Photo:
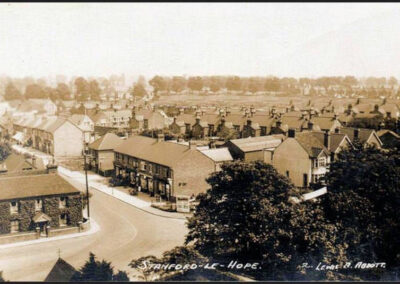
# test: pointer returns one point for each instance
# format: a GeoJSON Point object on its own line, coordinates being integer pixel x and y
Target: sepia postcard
{"type": "Point", "coordinates": [199, 142]}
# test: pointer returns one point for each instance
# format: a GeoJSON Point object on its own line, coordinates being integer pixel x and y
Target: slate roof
{"type": "Point", "coordinates": [16, 163]}
{"type": "Point", "coordinates": [33, 186]}
{"type": "Point", "coordinates": [363, 133]}
{"type": "Point", "coordinates": [218, 154]}
{"type": "Point", "coordinates": [323, 122]}
{"type": "Point", "coordinates": [251, 144]}
{"type": "Point", "coordinates": [62, 271]}
{"type": "Point", "coordinates": [387, 131]}
{"type": "Point", "coordinates": [293, 122]}
{"type": "Point", "coordinates": [311, 144]}
{"type": "Point", "coordinates": [335, 140]}
{"type": "Point", "coordinates": [107, 142]}
{"type": "Point", "coordinates": [159, 152]}
{"type": "Point", "coordinates": [186, 118]}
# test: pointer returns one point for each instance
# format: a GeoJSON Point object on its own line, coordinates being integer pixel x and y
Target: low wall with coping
{"type": "Point", "coordinates": [63, 231]}
{"type": "Point", "coordinates": [18, 237]}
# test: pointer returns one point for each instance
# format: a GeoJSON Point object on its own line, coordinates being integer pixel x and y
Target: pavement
{"type": "Point", "coordinates": [94, 228]}
{"type": "Point", "coordinates": [99, 183]}
{"type": "Point", "coordinates": [126, 233]}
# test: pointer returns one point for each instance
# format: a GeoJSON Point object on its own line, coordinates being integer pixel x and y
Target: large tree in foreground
{"type": "Point", "coordinates": [363, 200]}
{"type": "Point", "coordinates": [95, 270]}
{"type": "Point", "coordinates": [247, 215]}
{"type": "Point", "coordinates": [1, 277]}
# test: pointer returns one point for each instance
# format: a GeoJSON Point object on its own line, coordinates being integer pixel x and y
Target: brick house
{"type": "Point", "coordinates": [102, 153]}
{"type": "Point", "coordinates": [301, 157]}
{"type": "Point", "coordinates": [38, 202]}
{"type": "Point", "coordinates": [164, 168]}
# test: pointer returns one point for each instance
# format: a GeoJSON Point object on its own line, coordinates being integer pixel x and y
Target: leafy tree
{"type": "Point", "coordinates": [247, 215]}
{"type": "Point", "coordinates": [82, 89]}
{"type": "Point", "coordinates": [94, 270]}
{"type": "Point", "coordinates": [63, 91]}
{"type": "Point", "coordinates": [51, 93]}
{"type": "Point", "coordinates": [35, 91]}
{"type": "Point", "coordinates": [233, 83]}
{"type": "Point", "coordinates": [392, 81]}
{"type": "Point", "coordinates": [272, 84]}
{"type": "Point", "coordinates": [363, 200]}
{"type": "Point", "coordinates": [158, 83]}
{"type": "Point", "coordinates": [178, 83]}
{"type": "Point", "coordinates": [1, 277]}
{"type": "Point", "coordinates": [138, 91]}
{"type": "Point", "coordinates": [5, 151]}
{"type": "Point", "coordinates": [349, 81]}
{"type": "Point", "coordinates": [195, 83]}
{"type": "Point", "coordinates": [144, 266]}
{"type": "Point", "coordinates": [12, 93]}
{"type": "Point", "coordinates": [94, 90]}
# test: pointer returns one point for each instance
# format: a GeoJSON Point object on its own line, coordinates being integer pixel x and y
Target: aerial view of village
{"type": "Point", "coordinates": [198, 142]}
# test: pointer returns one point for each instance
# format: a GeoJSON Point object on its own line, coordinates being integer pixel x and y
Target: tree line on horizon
{"type": "Point", "coordinates": [93, 88]}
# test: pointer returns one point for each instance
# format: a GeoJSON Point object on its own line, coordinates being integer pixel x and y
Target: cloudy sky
{"type": "Point", "coordinates": [292, 39]}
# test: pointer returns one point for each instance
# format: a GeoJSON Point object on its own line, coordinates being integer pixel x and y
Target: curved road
{"type": "Point", "coordinates": [125, 233]}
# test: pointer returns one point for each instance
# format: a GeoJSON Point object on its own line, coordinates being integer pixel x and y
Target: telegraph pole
{"type": "Point", "coordinates": [87, 185]}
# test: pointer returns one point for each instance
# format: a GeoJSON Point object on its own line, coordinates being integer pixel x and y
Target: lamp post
{"type": "Point", "coordinates": [87, 184]}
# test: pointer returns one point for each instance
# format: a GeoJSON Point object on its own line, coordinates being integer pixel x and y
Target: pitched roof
{"type": "Point", "coordinates": [33, 186]}
{"type": "Point", "coordinates": [78, 118]}
{"type": "Point", "coordinates": [293, 122]}
{"type": "Point", "coordinates": [363, 133]}
{"type": "Point", "coordinates": [62, 271]}
{"type": "Point", "coordinates": [335, 140]}
{"type": "Point", "coordinates": [16, 163]}
{"type": "Point", "coordinates": [387, 131]}
{"type": "Point", "coordinates": [323, 122]}
{"type": "Point", "coordinates": [186, 118]}
{"type": "Point", "coordinates": [311, 144]}
{"type": "Point", "coordinates": [218, 154]}
{"type": "Point", "coordinates": [159, 152]}
{"type": "Point", "coordinates": [107, 142]}
{"type": "Point", "coordinates": [251, 144]}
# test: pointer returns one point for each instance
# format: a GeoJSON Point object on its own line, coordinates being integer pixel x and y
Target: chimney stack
{"type": "Point", "coordinates": [292, 133]}
{"type": "Point", "coordinates": [356, 133]}
{"type": "Point", "coordinates": [327, 139]}
{"type": "Point", "coordinates": [310, 125]}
